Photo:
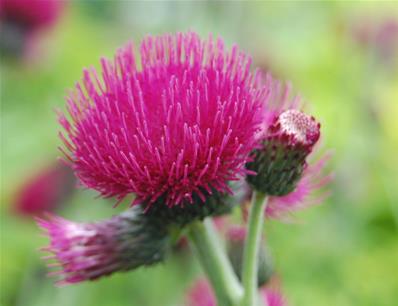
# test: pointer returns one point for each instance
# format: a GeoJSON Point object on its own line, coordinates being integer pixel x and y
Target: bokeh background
{"type": "Point", "coordinates": [342, 57]}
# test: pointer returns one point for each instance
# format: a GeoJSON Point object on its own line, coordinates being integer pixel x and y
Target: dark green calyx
{"type": "Point", "coordinates": [216, 204]}
{"type": "Point", "coordinates": [146, 241]}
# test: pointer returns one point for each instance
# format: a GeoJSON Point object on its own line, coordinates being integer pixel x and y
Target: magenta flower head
{"type": "Point", "coordinates": [173, 129]}
{"type": "Point", "coordinates": [46, 191]}
{"type": "Point", "coordinates": [21, 18]}
{"type": "Point", "coordinates": [88, 251]}
{"type": "Point", "coordinates": [201, 294]}
{"type": "Point", "coordinates": [236, 236]}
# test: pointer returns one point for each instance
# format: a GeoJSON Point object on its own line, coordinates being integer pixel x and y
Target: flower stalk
{"type": "Point", "coordinates": [252, 244]}
{"type": "Point", "coordinates": [208, 248]}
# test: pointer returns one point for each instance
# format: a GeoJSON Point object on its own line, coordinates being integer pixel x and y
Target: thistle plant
{"type": "Point", "coordinates": [182, 130]}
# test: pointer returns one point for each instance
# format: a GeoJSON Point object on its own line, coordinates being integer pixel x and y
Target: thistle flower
{"type": "Point", "coordinates": [88, 251]}
{"type": "Point", "coordinates": [46, 191]}
{"type": "Point", "coordinates": [174, 131]}
{"type": "Point", "coordinates": [201, 294]}
{"type": "Point", "coordinates": [19, 19]}
{"type": "Point", "coordinates": [236, 236]}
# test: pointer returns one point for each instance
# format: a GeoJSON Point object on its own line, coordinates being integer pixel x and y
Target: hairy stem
{"type": "Point", "coordinates": [252, 245]}
{"type": "Point", "coordinates": [212, 256]}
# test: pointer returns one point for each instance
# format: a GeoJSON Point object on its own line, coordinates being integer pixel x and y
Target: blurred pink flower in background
{"type": "Point", "coordinates": [45, 191]}
{"type": "Point", "coordinates": [31, 14]}
{"type": "Point", "coordinates": [380, 35]}
{"type": "Point", "coordinates": [21, 20]}
{"type": "Point", "coordinates": [201, 294]}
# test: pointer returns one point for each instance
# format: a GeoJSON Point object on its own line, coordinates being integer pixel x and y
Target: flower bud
{"type": "Point", "coordinates": [281, 159]}
{"type": "Point", "coordinates": [87, 251]}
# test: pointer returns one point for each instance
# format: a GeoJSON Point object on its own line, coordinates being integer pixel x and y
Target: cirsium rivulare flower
{"type": "Point", "coordinates": [88, 251]}
{"type": "Point", "coordinates": [179, 127]}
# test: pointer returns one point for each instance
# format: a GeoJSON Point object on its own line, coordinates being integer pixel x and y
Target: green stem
{"type": "Point", "coordinates": [209, 250]}
{"type": "Point", "coordinates": [252, 245]}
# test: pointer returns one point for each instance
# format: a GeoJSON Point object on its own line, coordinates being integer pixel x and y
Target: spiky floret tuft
{"type": "Point", "coordinates": [177, 128]}
{"type": "Point", "coordinates": [88, 251]}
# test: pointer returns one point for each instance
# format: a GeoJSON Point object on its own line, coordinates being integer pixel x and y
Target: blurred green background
{"type": "Point", "coordinates": [343, 252]}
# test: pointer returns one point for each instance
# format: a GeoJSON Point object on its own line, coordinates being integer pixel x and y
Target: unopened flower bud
{"type": "Point", "coordinates": [281, 159]}
{"type": "Point", "coordinates": [87, 251]}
